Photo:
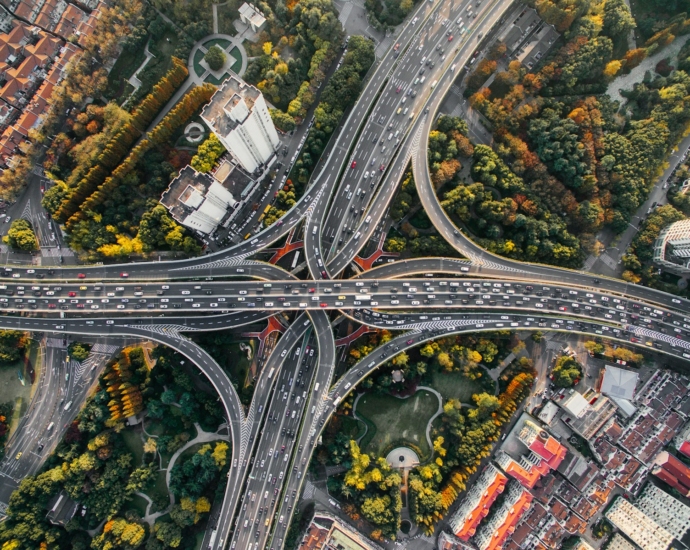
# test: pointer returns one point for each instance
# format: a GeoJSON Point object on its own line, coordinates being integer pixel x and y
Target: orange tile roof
{"type": "Point", "coordinates": [506, 529]}
{"type": "Point", "coordinates": [469, 526]}
{"type": "Point", "coordinates": [26, 121]}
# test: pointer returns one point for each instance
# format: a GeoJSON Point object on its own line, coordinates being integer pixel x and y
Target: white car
{"type": "Point", "coordinates": [16, 275]}
{"type": "Point", "coordinates": [120, 306]}
{"type": "Point", "coordinates": [216, 305]}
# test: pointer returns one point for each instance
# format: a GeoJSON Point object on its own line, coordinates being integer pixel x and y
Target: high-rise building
{"type": "Point", "coordinates": [638, 527]}
{"type": "Point", "coordinates": [672, 247]}
{"type": "Point", "coordinates": [667, 511]}
{"type": "Point", "coordinates": [238, 116]}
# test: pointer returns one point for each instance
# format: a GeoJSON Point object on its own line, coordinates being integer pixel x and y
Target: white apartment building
{"type": "Point", "coordinates": [638, 527]}
{"type": "Point", "coordinates": [238, 116]}
{"type": "Point", "coordinates": [664, 509]}
{"type": "Point", "coordinates": [672, 248]}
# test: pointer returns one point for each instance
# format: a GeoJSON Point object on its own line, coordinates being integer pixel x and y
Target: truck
{"type": "Point", "coordinates": [212, 540]}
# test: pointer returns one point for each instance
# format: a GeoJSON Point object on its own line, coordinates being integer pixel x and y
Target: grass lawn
{"type": "Point", "coordinates": [237, 65]}
{"type": "Point", "coordinates": [453, 385]}
{"type": "Point", "coordinates": [159, 489]}
{"type": "Point", "coordinates": [198, 69]}
{"type": "Point", "coordinates": [124, 67]}
{"type": "Point", "coordinates": [134, 443]}
{"type": "Point", "coordinates": [215, 81]}
{"type": "Point", "coordinates": [217, 42]}
{"type": "Point", "coordinates": [353, 428]}
{"type": "Point", "coordinates": [396, 420]}
{"type": "Point", "coordinates": [139, 504]}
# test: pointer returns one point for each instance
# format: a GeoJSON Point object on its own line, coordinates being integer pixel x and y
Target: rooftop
{"type": "Point", "coordinates": [619, 382]}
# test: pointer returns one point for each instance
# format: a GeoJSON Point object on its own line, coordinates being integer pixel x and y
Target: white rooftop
{"type": "Point", "coordinates": [619, 382]}
{"type": "Point", "coordinates": [576, 405]}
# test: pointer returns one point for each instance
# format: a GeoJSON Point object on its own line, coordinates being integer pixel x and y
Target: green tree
{"type": "Point", "coordinates": [566, 371]}
{"type": "Point", "coordinates": [79, 350]}
{"type": "Point", "coordinates": [215, 57]}
{"type": "Point", "coordinates": [12, 344]}
{"type": "Point", "coordinates": [21, 236]}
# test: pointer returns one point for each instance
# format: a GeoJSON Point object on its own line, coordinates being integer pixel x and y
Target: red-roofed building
{"type": "Point", "coordinates": [527, 471]}
{"type": "Point", "coordinates": [69, 22]}
{"type": "Point", "coordinates": [671, 470]}
{"type": "Point", "coordinates": [685, 448]}
{"type": "Point", "coordinates": [540, 442]}
{"type": "Point", "coordinates": [477, 502]}
{"type": "Point", "coordinates": [545, 454]}
{"type": "Point", "coordinates": [494, 534]}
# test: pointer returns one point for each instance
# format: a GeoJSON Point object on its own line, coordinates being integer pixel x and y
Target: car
{"type": "Point", "coordinates": [19, 455]}
{"type": "Point", "coordinates": [354, 164]}
{"type": "Point", "coordinates": [124, 275]}
{"type": "Point", "coordinates": [323, 304]}
{"type": "Point", "coordinates": [16, 275]}
{"type": "Point", "coordinates": [81, 276]}
{"type": "Point", "coordinates": [31, 271]}
{"type": "Point", "coordinates": [398, 90]}
{"type": "Point", "coordinates": [450, 38]}
{"type": "Point", "coordinates": [71, 293]}
{"type": "Point", "coordinates": [382, 167]}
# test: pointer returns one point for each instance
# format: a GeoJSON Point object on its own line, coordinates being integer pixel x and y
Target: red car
{"type": "Point", "coordinates": [450, 38]}
{"type": "Point", "coordinates": [124, 275]}
{"type": "Point", "coordinates": [398, 90]}
{"type": "Point", "coordinates": [323, 304]}
{"type": "Point", "coordinates": [81, 276]}
{"type": "Point", "coordinates": [324, 275]}
{"type": "Point", "coordinates": [383, 167]}
{"type": "Point", "coordinates": [312, 290]}
{"type": "Point", "coordinates": [51, 306]}
{"type": "Point", "coordinates": [354, 164]}
{"type": "Point", "coordinates": [72, 293]}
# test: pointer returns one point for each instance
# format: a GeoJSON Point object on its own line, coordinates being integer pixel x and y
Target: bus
{"type": "Point", "coordinates": [213, 538]}
{"type": "Point", "coordinates": [294, 261]}
{"type": "Point", "coordinates": [247, 236]}
{"type": "Point", "coordinates": [267, 209]}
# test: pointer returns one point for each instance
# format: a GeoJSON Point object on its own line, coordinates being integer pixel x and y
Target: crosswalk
{"type": "Point", "coordinates": [55, 252]}
{"type": "Point", "coordinates": [105, 349]}
{"type": "Point", "coordinates": [648, 333]}
{"type": "Point", "coordinates": [55, 343]}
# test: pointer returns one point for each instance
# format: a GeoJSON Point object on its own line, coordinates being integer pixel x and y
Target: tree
{"type": "Point", "coordinates": [21, 236]}
{"type": "Point", "coordinates": [618, 20]}
{"type": "Point", "coordinates": [12, 344]}
{"type": "Point", "coordinates": [207, 154]}
{"type": "Point", "coordinates": [566, 371]}
{"type": "Point", "coordinates": [215, 57]}
{"type": "Point", "coordinates": [79, 351]}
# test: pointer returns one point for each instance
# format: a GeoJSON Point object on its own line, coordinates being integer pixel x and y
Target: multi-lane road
{"type": "Point", "coordinates": [346, 200]}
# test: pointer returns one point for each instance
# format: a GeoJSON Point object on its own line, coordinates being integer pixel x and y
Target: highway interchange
{"type": "Point", "coordinates": [295, 393]}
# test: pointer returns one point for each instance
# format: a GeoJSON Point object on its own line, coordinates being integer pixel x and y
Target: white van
{"type": "Point", "coordinates": [433, 84]}
{"type": "Point", "coordinates": [422, 80]}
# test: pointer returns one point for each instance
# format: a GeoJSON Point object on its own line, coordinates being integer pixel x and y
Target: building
{"type": "Point", "coordinates": [479, 498]}
{"type": "Point", "coordinates": [638, 527]}
{"type": "Point", "coordinates": [327, 532]}
{"type": "Point", "coordinates": [544, 454]}
{"type": "Point", "coordinates": [252, 16]}
{"type": "Point", "coordinates": [501, 525]}
{"type": "Point", "coordinates": [672, 471]}
{"type": "Point", "coordinates": [197, 200]}
{"type": "Point", "coordinates": [667, 511]}
{"type": "Point", "coordinates": [618, 542]}
{"type": "Point", "coordinates": [61, 509]}
{"type": "Point", "coordinates": [619, 383]}
{"type": "Point", "coordinates": [238, 116]}
{"type": "Point", "coordinates": [672, 248]}
{"type": "Point", "coordinates": [587, 414]}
